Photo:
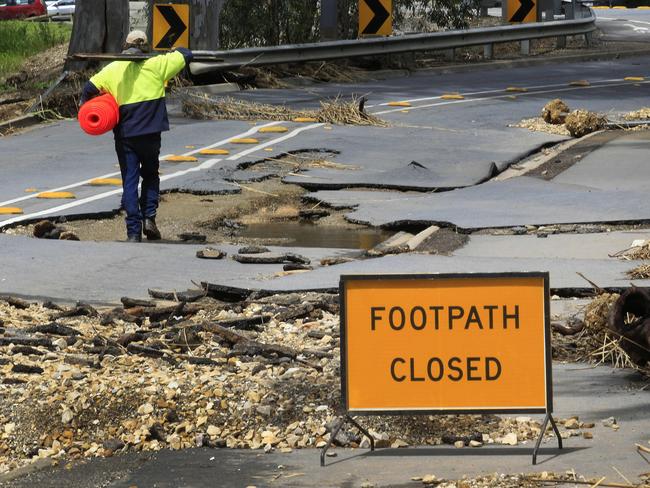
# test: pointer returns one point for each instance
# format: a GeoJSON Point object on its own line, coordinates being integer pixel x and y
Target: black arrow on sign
{"type": "Point", "coordinates": [176, 27]}
{"type": "Point", "coordinates": [381, 16]}
{"type": "Point", "coordinates": [523, 10]}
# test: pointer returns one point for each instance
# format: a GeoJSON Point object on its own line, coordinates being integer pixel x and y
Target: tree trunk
{"type": "Point", "coordinates": [100, 26]}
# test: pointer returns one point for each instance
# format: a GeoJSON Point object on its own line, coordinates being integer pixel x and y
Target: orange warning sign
{"type": "Point", "coordinates": [446, 343]}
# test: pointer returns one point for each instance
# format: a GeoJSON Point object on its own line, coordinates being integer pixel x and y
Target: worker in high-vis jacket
{"type": "Point", "coordinates": [139, 89]}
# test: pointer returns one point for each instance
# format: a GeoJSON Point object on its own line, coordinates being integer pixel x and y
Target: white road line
{"type": "Point", "coordinates": [520, 94]}
{"type": "Point", "coordinates": [496, 90]}
{"type": "Point", "coordinates": [249, 132]}
{"type": "Point", "coordinates": [274, 141]}
{"type": "Point", "coordinates": [205, 165]}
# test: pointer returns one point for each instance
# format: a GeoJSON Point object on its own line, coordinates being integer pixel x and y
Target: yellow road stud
{"type": "Point", "coordinates": [399, 104]}
{"type": "Point", "coordinates": [278, 129]}
{"type": "Point", "coordinates": [305, 119]}
{"type": "Point", "coordinates": [516, 89]}
{"type": "Point", "coordinates": [10, 210]}
{"type": "Point", "coordinates": [268, 149]}
{"type": "Point", "coordinates": [31, 190]}
{"type": "Point", "coordinates": [404, 111]}
{"type": "Point", "coordinates": [106, 182]}
{"type": "Point", "coordinates": [56, 195]}
{"type": "Point", "coordinates": [580, 83]}
{"type": "Point", "coordinates": [452, 96]}
{"type": "Point", "coordinates": [214, 152]}
{"type": "Point", "coordinates": [634, 78]}
{"type": "Point", "coordinates": [190, 147]}
{"type": "Point", "coordinates": [180, 159]}
{"type": "Point", "coordinates": [245, 140]}
{"type": "Point", "coordinates": [328, 127]}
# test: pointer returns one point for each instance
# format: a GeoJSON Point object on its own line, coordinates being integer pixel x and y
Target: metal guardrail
{"type": "Point", "coordinates": [323, 51]}
{"type": "Point", "coordinates": [206, 61]}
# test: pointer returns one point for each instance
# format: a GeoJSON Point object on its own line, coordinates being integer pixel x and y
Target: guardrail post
{"type": "Point", "coordinates": [525, 47]}
{"type": "Point", "coordinates": [449, 54]}
{"type": "Point", "coordinates": [588, 38]}
{"type": "Point", "coordinates": [561, 42]}
{"type": "Point", "coordinates": [488, 51]}
{"type": "Point", "coordinates": [329, 20]}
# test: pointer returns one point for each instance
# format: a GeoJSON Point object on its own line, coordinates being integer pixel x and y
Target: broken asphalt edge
{"type": "Point", "coordinates": [22, 122]}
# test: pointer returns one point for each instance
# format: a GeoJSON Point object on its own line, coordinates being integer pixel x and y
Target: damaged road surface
{"type": "Point", "coordinates": [215, 354]}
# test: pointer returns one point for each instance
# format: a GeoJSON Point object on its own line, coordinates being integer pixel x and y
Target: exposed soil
{"type": "Point", "coordinates": [221, 218]}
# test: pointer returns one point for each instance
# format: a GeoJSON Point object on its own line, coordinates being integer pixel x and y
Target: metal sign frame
{"type": "Point", "coordinates": [394, 277]}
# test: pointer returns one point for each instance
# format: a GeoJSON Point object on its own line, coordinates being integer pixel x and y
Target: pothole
{"type": "Point", "coordinates": [268, 212]}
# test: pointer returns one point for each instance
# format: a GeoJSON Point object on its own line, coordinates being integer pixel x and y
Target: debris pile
{"type": "Point", "coordinates": [530, 480]}
{"type": "Point", "coordinates": [555, 112]}
{"type": "Point", "coordinates": [337, 111]}
{"type": "Point", "coordinates": [580, 122]}
{"type": "Point", "coordinates": [641, 114]}
{"type": "Point", "coordinates": [556, 118]}
{"type": "Point", "coordinates": [48, 230]}
{"type": "Point", "coordinates": [261, 374]}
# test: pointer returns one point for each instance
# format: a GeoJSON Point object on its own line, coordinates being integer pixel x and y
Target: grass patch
{"type": "Point", "coordinates": [20, 40]}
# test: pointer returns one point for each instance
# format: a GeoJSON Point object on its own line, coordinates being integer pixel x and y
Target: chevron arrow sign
{"type": "Point", "coordinates": [520, 11]}
{"type": "Point", "coordinates": [375, 17]}
{"type": "Point", "coordinates": [171, 26]}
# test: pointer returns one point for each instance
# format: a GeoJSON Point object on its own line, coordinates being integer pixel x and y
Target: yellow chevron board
{"type": "Point", "coordinates": [56, 195]}
{"type": "Point", "coordinates": [10, 211]}
{"type": "Point", "coordinates": [375, 17]}
{"type": "Point", "coordinates": [521, 11]}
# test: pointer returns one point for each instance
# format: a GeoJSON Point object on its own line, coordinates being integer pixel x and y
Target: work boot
{"type": "Point", "coordinates": [134, 238]}
{"type": "Point", "coordinates": [151, 230]}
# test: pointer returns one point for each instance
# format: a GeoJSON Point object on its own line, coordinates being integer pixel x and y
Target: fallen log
{"type": "Point", "coordinates": [572, 327]}
{"type": "Point", "coordinates": [135, 302]}
{"type": "Point", "coordinates": [244, 346]}
{"type": "Point", "coordinates": [26, 341]}
{"type": "Point", "coordinates": [28, 350]}
{"type": "Point", "coordinates": [188, 296]}
{"type": "Point", "coordinates": [54, 329]}
{"type": "Point", "coordinates": [80, 310]}
{"type": "Point", "coordinates": [16, 302]}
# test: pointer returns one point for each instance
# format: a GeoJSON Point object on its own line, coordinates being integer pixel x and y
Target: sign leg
{"type": "Point", "coordinates": [335, 432]}
{"type": "Point", "coordinates": [363, 431]}
{"type": "Point", "coordinates": [547, 419]}
{"type": "Point", "coordinates": [332, 437]}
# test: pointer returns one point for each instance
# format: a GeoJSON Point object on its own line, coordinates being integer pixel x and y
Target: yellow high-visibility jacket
{"type": "Point", "coordinates": [139, 89]}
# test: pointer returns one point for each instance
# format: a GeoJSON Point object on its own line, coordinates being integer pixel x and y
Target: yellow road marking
{"type": "Point", "coordinates": [56, 195]}
{"type": "Point", "coordinates": [399, 104]}
{"type": "Point", "coordinates": [214, 152]}
{"type": "Point", "coordinates": [244, 140]}
{"type": "Point", "coordinates": [310, 120]}
{"type": "Point", "coordinates": [580, 83]}
{"type": "Point", "coordinates": [452, 96]}
{"type": "Point", "coordinates": [180, 159]}
{"type": "Point", "coordinates": [274, 129]}
{"type": "Point", "coordinates": [106, 182]}
{"type": "Point", "coordinates": [10, 211]}
{"type": "Point", "coordinates": [634, 78]}
{"type": "Point", "coordinates": [517, 89]}
{"type": "Point", "coordinates": [31, 190]}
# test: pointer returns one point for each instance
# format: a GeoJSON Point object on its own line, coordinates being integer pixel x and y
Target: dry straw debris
{"type": "Point", "coordinates": [641, 272]}
{"type": "Point", "coordinates": [641, 114]}
{"type": "Point", "coordinates": [538, 124]}
{"type": "Point", "coordinates": [579, 123]}
{"type": "Point", "coordinates": [337, 111]}
{"type": "Point", "coordinates": [555, 111]}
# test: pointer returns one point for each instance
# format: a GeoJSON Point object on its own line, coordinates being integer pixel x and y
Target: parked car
{"type": "Point", "coordinates": [20, 9]}
{"type": "Point", "coordinates": [60, 8]}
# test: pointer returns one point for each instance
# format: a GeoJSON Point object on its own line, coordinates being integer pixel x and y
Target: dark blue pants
{"type": "Point", "coordinates": [139, 157]}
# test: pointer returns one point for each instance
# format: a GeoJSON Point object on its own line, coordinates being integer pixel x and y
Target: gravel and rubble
{"type": "Point", "coordinates": [263, 374]}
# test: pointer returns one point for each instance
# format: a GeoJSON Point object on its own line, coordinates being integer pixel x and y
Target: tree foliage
{"type": "Point", "coordinates": [273, 22]}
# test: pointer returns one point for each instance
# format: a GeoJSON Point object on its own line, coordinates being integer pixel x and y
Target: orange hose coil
{"type": "Point", "coordinates": [99, 115]}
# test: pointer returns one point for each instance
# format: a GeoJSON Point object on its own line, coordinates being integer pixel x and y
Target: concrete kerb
{"type": "Point", "coordinates": [535, 162]}
{"type": "Point", "coordinates": [23, 122]}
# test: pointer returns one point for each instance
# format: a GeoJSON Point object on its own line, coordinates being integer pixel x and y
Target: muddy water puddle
{"type": "Point", "coordinates": [299, 234]}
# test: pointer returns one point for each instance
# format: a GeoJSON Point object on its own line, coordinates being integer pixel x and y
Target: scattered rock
{"type": "Point", "coordinates": [475, 444]}
{"type": "Point", "coordinates": [192, 237]}
{"type": "Point", "coordinates": [572, 423]}
{"type": "Point", "coordinates": [43, 227]}
{"type": "Point", "coordinates": [253, 250]}
{"type": "Point", "coordinates": [68, 236]}
{"type": "Point", "coordinates": [459, 444]}
{"type": "Point", "coordinates": [210, 253]}
{"type": "Point", "coordinates": [429, 479]}
{"type": "Point", "coordinates": [609, 422]}
{"type": "Point", "coordinates": [510, 439]}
